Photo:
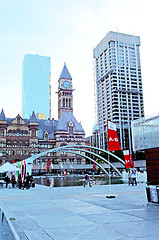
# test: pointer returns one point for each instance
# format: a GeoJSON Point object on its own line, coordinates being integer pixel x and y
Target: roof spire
{"type": "Point", "coordinates": [33, 117]}
{"type": "Point", "coordinates": [2, 116]}
{"type": "Point", "coordinates": [65, 73]}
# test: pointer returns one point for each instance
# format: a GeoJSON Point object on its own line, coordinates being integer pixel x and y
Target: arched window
{"type": "Point", "coordinates": [46, 137]}
{"type": "Point", "coordinates": [18, 120]}
{"type": "Point", "coordinates": [1, 132]}
{"type": "Point", "coordinates": [33, 133]}
{"type": "Point", "coordinates": [69, 102]}
{"type": "Point", "coordinates": [70, 129]}
{"type": "Point", "coordinates": [66, 102]}
{"type": "Point", "coordinates": [63, 102]}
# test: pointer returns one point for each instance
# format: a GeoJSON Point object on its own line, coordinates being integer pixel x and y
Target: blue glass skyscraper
{"type": "Point", "coordinates": [36, 86]}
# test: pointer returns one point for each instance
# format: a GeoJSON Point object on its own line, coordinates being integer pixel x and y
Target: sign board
{"type": "Point", "coordinates": [145, 133]}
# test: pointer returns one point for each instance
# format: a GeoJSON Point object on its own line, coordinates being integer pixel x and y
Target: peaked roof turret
{"type": "Point", "coordinates": [2, 116]}
{"type": "Point", "coordinates": [33, 117]}
{"type": "Point", "coordinates": [65, 73]}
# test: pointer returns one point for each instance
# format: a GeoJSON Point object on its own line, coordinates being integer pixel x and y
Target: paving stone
{"type": "Point", "coordinates": [77, 213]}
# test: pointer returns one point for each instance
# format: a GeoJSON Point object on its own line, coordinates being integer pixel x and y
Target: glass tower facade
{"type": "Point", "coordinates": [118, 81]}
{"type": "Point", "coordinates": [36, 86]}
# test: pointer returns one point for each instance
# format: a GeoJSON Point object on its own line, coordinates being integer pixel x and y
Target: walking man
{"type": "Point", "coordinates": [133, 175]}
{"type": "Point", "coordinates": [87, 180]}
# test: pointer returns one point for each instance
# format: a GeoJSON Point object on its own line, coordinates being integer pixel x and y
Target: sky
{"type": "Point", "coordinates": [68, 31]}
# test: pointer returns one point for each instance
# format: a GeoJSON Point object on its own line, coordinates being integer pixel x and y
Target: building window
{"type": "Point", "coordinates": [46, 137]}
{"type": "Point", "coordinates": [78, 161]}
{"type": "Point", "coordinates": [18, 120]}
{"type": "Point", "coordinates": [63, 102]}
{"type": "Point", "coordinates": [1, 132]}
{"type": "Point", "coordinates": [70, 130]}
{"type": "Point", "coordinates": [69, 102]}
{"type": "Point", "coordinates": [66, 102]}
{"type": "Point", "coordinates": [33, 133]}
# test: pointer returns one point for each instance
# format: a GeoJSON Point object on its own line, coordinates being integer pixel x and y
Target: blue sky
{"type": "Point", "coordinates": [67, 31]}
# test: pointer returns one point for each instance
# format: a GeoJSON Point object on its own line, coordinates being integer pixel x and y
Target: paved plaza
{"type": "Point", "coordinates": [78, 213]}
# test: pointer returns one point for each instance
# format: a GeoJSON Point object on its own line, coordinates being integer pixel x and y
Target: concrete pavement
{"type": "Point", "coordinates": [78, 213]}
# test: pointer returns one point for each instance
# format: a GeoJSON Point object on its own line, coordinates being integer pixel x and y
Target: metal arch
{"type": "Point", "coordinates": [110, 164]}
{"type": "Point", "coordinates": [90, 160]}
{"type": "Point", "coordinates": [62, 148]}
{"type": "Point", "coordinates": [87, 146]}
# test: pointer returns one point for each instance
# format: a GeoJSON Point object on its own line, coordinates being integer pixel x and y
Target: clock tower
{"type": "Point", "coordinates": [65, 97]}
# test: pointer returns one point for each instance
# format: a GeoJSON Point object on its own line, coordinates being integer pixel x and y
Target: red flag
{"type": "Point", "coordinates": [113, 141]}
{"type": "Point", "coordinates": [13, 161]}
{"type": "Point", "coordinates": [94, 166]}
{"type": "Point", "coordinates": [127, 158]}
{"type": "Point", "coordinates": [48, 164]}
{"type": "Point", "coordinates": [131, 161]}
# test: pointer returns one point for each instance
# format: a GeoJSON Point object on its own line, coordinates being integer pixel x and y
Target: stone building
{"type": "Point", "coordinates": [21, 138]}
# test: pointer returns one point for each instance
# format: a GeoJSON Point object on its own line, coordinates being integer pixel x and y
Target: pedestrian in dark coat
{"type": "Point", "coordinates": [7, 180]}
{"type": "Point", "coordinates": [13, 181]}
{"type": "Point", "coordinates": [19, 181]}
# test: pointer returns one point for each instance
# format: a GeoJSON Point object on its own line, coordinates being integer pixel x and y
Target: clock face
{"type": "Point", "coordinates": [66, 84]}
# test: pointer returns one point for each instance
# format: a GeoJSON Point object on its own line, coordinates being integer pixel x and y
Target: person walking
{"type": "Point", "coordinates": [13, 181]}
{"type": "Point", "coordinates": [129, 177]}
{"type": "Point", "coordinates": [87, 180]}
{"type": "Point", "coordinates": [27, 181]}
{"type": "Point", "coordinates": [133, 175]}
{"type": "Point", "coordinates": [7, 180]}
{"type": "Point", "coordinates": [19, 181]}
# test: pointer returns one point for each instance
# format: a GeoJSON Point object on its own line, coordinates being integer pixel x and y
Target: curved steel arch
{"type": "Point", "coordinates": [101, 150]}
{"type": "Point", "coordinates": [64, 148]}
{"type": "Point", "coordinates": [110, 164]}
{"type": "Point", "coordinates": [90, 160]}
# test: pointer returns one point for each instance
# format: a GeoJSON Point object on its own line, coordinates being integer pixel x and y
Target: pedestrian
{"type": "Point", "coordinates": [7, 180]}
{"type": "Point", "coordinates": [129, 177]}
{"type": "Point", "coordinates": [31, 180]}
{"type": "Point", "coordinates": [13, 181]}
{"type": "Point", "coordinates": [27, 181]}
{"type": "Point", "coordinates": [133, 175]}
{"type": "Point", "coordinates": [87, 180]}
{"type": "Point", "coordinates": [19, 181]}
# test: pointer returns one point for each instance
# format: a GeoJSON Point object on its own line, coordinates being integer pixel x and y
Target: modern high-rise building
{"type": "Point", "coordinates": [118, 81]}
{"type": "Point", "coordinates": [36, 86]}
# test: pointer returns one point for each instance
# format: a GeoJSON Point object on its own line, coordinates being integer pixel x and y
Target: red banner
{"type": "Point", "coordinates": [113, 141]}
{"type": "Point", "coordinates": [127, 158]}
{"type": "Point", "coordinates": [94, 165]}
{"type": "Point", "coordinates": [131, 161]}
{"type": "Point", "coordinates": [48, 165]}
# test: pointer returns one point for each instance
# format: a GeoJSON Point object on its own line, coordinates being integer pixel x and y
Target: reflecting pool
{"type": "Point", "coordinates": [74, 180]}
